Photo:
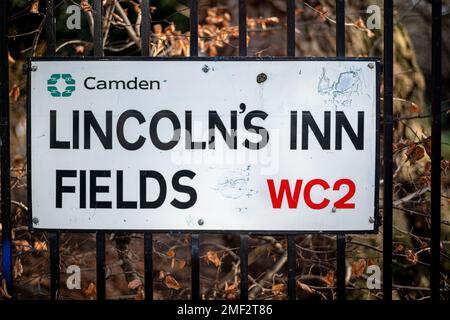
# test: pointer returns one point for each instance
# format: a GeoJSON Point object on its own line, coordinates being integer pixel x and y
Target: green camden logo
{"type": "Point", "coordinates": [53, 88]}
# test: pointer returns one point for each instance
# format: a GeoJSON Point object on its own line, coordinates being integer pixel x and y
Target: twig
{"type": "Point", "coordinates": [411, 196]}
{"type": "Point", "coordinates": [365, 245]}
{"type": "Point", "coordinates": [421, 214]}
{"type": "Point", "coordinates": [70, 42]}
{"type": "Point", "coordinates": [19, 204]}
{"type": "Point", "coordinates": [268, 276]}
{"type": "Point", "coordinates": [127, 26]}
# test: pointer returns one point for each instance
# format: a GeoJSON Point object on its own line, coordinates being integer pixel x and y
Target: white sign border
{"type": "Point", "coordinates": [33, 222]}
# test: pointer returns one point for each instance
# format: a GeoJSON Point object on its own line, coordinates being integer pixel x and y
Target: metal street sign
{"type": "Point", "coordinates": [263, 145]}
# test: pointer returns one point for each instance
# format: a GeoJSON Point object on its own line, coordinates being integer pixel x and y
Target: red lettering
{"type": "Point", "coordinates": [307, 194]}
{"type": "Point", "coordinates": [285, 188]}
{"type": "Point", "coordinates": [342, 203]}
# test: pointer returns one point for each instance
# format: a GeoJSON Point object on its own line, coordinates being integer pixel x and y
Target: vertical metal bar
{"type": "Point", "coordinates": [243, 255]}
{"type": "Point", "coordinates": [242, 28]}
{"type": "Point", "coordinates": [195, 241]}
{"type": "Point", "coordinates": [53, 237]}
{"type": "Point", "coordinates": [148, 236]}
{"type": "Point", "coordinates": [291, 247]}
{"type": "Point", "coordinates": [195, 267]}
{"type": "Point", "coordinates": [292, 267]}
{"type": "Point", "coordinates": [290, 36]}
{"type": "Point", "coordinates": [148, 265]}
{"type": "Point", "coordinates": [341, 269]}
{"type": "Point", "coordinates": [388, 125]}
{"type": "Point", "coordinates": [54, 265]}
{"type": "Point", "coordinates": [50, 32]}
{"type": "Point", "coordinates": [243, 238]}
{"type": "Point", "coordinates": [340, 28]}
{"type": "Point", "coordinates": [436, 70]}
{"type": "Point", "coordinates": [5, 150]}
{"type": "Point", "coordinates": [145, 27]}
{"type": "Point", "coordinates": [341, 242]}
{"type": "Point", "coordinates": [193, 28]}
{"type": "Point", "coordinates": [100, 235]}
{"type": "Point", "coordinates": [100, 258]}
{"type": "Point", "coordinates": [98, 28]}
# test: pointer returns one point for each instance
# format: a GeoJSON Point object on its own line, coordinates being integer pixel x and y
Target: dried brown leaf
{"type": "Point", "coordinates": [14, 93]}
{"type": "Point", "coordinates": [425, 180]}
{"type": "Point", "coordinates": [329, 278]}
{"type": "Point", "coordinates": [414, 108]}
{"type": "Point", "coordinates": [40, 246]}
{"type": "Point", "coordinates": [85, 6]}
{"type": "Point", "coordinates": [411, 256]}
{"type": "Point", "coordinates": [171, 253]}
{"type": "Point", "coordinates": [358, 268]}
{"type": "Point", "coordinates": [305, 287]}
{"type": "Point", "coordinates": [18, 269]}
{"type": "Point", "coordinates": [134, 284]}
{"type": "Point", "coordinates": [91, 291]}
{"type": "Point", "coordinates": [278, 288]}
{"type": "Point", "coordinates": [415, 153]}
{"type": "Point", "coordinates": [22, 245]}
{"type": "Point", "coordinates": [11, 59]}
{"type": "Point", "coordinates": [34, 7]}
{"type": "Point", "coordinates": [79, 49]}
{"type": "Point", "coordinates": [370, 33]}
{"type": "Point", "coordinates": [212, 256]}
{"type": "Point", "coordinates": [232, 288]}
{"type": "Point", "coordinates": [140, 295]}
{"type": "Point", "coordinates": [360, 23]}
{"type": "Point", "coordinates": [172, 283]}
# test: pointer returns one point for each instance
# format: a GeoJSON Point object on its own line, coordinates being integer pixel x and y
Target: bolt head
{"type": "Point", "coordinates": [35, 220]}
{"type": "Point", "coordinates": [201, 222]}
{"type": "Point", "coordinates": [333, 209]}
{"type": "Point", "coordinates": [261, 78]}
{"type": "Point", "coordinates": [205, 68]}
{"type": "Point", "coordinates": [371, 65]}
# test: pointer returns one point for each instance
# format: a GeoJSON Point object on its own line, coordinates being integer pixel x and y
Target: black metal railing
{"type": "Point", "coordinates": [388, 78]}
{"type": "Point", "coordinates": [244, 238]}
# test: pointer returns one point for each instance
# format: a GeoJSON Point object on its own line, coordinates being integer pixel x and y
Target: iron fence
{"type": "Point", "coordinates": [387, 155]}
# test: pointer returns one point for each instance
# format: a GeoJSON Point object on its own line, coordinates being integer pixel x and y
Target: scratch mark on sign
{"type": "Point", "coordinates": [342, 89]}
{"type": "Point", "coordinates": [190, 221]}
{"type": "Point", "coordinates": [234, 184]}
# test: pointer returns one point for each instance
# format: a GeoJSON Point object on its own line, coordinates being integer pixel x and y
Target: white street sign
{"type": "Point", "coordinates": [253, 145]}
